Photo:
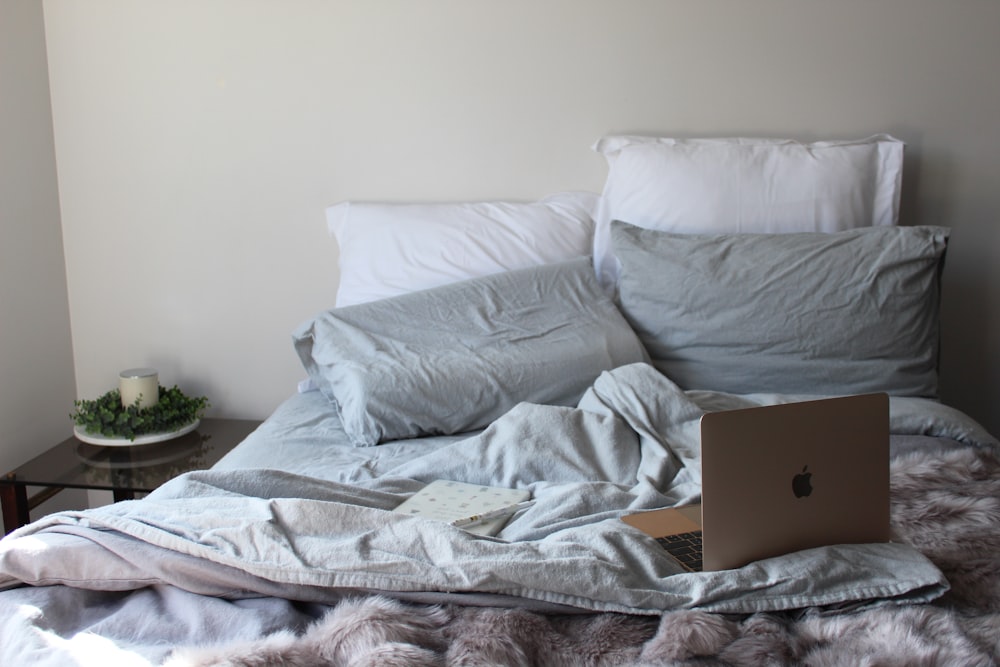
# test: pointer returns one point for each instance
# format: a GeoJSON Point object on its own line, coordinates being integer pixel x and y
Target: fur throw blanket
{"type": "Point", "coordinates": [947, 505]}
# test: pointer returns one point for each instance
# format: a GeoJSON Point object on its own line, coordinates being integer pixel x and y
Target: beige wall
{"type": "Point", "coordinates": [198, 142]}
{"type": "Point", "coordinates": [36, 365]}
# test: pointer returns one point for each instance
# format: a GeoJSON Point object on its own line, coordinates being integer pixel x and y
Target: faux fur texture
{"type": "Point", "coordinates": [947, 505]}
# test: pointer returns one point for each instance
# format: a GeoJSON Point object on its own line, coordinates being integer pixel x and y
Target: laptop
{"type": "Point", "coordinates": [781, 478]}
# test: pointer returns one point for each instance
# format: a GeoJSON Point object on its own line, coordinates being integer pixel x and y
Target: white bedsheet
{"type": "Point", "coordinates": [633, 445]}
{"type": "Point", "coordinates": [250, 539]}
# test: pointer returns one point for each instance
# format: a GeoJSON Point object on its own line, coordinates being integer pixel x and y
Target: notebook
{"type": "Point", "coordinates": [781, 478]}
{"type": "Point", "coordinates": [447, 501]}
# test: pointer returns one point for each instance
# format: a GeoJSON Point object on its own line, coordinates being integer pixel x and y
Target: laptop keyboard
{"type": "Point", "coordinates": [685, 548]}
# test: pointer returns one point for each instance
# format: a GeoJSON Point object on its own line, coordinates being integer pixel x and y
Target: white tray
{"type": "Point", "coordinates": [147, 439]}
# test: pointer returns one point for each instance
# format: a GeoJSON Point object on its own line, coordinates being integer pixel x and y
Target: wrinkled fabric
{"type": "Point", "coordinates": [632, 444]}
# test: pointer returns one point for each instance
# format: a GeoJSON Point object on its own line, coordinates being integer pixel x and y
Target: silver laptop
{"type": "Point", "coordinates": [782, 478]}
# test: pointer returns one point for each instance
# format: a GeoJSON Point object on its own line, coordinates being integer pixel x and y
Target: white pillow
{"type": "Point", "coordinates": [392, 249]}
{"type": "Point", "coordinates": [717, 186]}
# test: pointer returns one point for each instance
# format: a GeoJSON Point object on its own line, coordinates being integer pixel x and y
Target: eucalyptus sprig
{"type": "Point", "coordinates": [107, 416]}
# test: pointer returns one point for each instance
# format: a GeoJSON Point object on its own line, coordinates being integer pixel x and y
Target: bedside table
{"type": "Point", "coordinates": [125, 471]}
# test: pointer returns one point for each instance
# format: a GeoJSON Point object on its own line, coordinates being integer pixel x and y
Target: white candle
{"type": "Point", "coordinates": [142, 384]}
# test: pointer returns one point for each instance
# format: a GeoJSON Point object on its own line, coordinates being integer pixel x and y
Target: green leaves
{"type": "Point", "coordinates": [107, 417]}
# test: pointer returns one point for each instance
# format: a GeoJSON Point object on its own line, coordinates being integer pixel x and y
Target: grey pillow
{"type": "Point", "coordinates": [454, 358]}
{"type": "Point", "coordinates": [806, 313]}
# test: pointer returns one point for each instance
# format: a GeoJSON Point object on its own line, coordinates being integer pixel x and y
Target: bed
{"type": "Point", "coordinates": [567, 347]}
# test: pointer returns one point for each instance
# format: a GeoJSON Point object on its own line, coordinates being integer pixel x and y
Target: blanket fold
{"type": "Point", "coordinates": [632, 444]}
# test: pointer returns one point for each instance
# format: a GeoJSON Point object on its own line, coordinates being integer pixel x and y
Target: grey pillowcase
{"type": "Point", "coordinates": [805, 313]}
{"type": "Point", "coordinates": [454, 358]}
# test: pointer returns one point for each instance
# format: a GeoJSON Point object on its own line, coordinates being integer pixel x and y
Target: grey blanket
{"type": "Point", "coordinates": [946, 501]}
{"type": "Point", "coordinates": [631, 445]}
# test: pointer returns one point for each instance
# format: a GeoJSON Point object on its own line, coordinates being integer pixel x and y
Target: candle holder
{"type": "Point", "coordinates": [139, 384]}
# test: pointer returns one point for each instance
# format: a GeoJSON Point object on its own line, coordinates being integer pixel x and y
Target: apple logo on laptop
{"type": "Point", "coordinates": [802, 483]}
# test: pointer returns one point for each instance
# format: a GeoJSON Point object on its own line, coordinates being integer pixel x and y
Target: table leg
{"type": "Point", "coordinates": [14, 501]}
{"type": "Point", "coordinates": [122, 494]}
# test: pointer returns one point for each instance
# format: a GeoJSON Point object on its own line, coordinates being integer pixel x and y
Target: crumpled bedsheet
{"type": "Point", "coordinates": [632, 444]}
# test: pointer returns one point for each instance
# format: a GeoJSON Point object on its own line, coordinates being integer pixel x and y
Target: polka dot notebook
{"type": "Point", "coordinates": [447, 501]}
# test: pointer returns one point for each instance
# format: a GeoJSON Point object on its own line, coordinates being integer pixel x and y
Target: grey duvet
{"type": "Point", "coordinates": [257, 566]}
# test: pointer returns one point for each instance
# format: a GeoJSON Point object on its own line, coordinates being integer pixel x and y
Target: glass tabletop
{"type": "Point", "coordinates": [138, 468]}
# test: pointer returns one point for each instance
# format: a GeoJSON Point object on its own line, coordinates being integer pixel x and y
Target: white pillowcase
{"type": "Point", "coordinates": [736, 185]}
{"type": "Point", "coordinates": [392, 249]}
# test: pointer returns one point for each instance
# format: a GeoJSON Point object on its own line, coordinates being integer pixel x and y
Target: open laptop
{"type": "Point", "coordinates": [780, 478]}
